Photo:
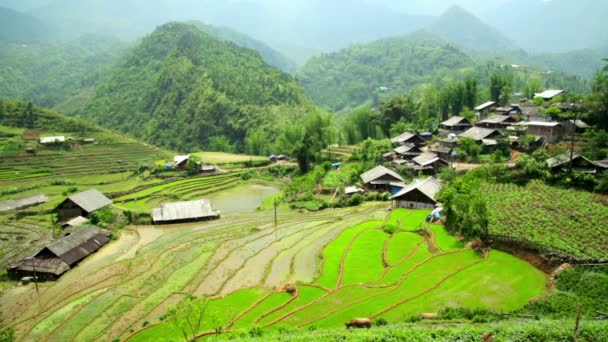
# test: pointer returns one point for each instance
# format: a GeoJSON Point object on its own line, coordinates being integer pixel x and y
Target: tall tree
{"type": "Point", "coordinates": [597, 103]}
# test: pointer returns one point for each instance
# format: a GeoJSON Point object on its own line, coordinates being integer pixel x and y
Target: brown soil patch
{"type": "Point", "coordinates": [531, 257]}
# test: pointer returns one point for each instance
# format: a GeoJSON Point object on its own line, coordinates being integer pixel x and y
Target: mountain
{"type": "Point", "coordinates": [461, 27]}
{"type": "Point", "coordinates": [48, 74]}
{"type": "Point", "coordinates": [553, 26]}
{"type": "Point", "coordinates": [16, 27]}
{"type": "Point", "coordinates": [270, 55]}
{"type": "Point", "coordinates": [357, 74]}
{"type": "Point", "coordinates": [180, 86]}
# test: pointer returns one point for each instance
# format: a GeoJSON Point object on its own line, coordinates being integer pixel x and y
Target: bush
{"type": "Point", "coordinates": [380, 322]}
{"type": "Point", "coordinates": [256, 332]}
{"type": "Point", "coordinates": [355, 200]}
{"type": "Point", "coordinates": [391, 228]}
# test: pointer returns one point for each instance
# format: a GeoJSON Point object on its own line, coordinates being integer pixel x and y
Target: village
{"type": "Point", "coordinates": [417, 156]}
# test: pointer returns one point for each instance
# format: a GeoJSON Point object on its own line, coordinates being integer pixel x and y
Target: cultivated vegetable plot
{"type": "Point", "coordinates": [338, 265]}
{"type": "Point", "coordinates": [564, 221]}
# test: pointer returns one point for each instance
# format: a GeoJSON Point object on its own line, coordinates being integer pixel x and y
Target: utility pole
{"type": "Point", "coordinates": [35, 276]}
{"type": "Point", "coordinates": [572, 141]}
{"type": "Point", "coordinates": [276, 227]}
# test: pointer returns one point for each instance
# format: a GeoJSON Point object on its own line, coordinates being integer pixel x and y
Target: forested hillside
{"type": "Point", "coordinates": [461, 27]}
{"type": "Point", "coordinates": [269, 55]}
{"type": "Point", "coordinates": [48, 74]}
{"type": "Point", "coordinates": [180, 87]}
{"type": "Point", "coordinates": [360, 73]}
{"type": "Point", "coordinates": [16, 27]}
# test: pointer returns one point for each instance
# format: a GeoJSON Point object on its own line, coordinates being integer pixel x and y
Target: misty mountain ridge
{"type": "Point", "coordinates": [363, 72]}
{"type": "Point", "coordinates": [463, 28]}
{"type": "Point", "coordinates": [17, 27]}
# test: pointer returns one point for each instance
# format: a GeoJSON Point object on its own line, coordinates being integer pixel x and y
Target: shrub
{"type": "Point", "coordinates": [256, 331]}
{"type": "Point", "coordinates": [391, 228]}
{"type": "Point", "coordinates": [355, 200]}
{"type": "Point", "coordinates": [380, 322]}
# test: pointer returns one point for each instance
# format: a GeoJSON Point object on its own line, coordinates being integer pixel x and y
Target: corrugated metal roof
{"type": "Point", "coordinates": [77, 221]}
{"type": "Point", "coordinates": [22, 202]}
{"type": "Point", "coordinates": [50, 140]}
{"type": "Point", "coordinates": [407, 148]}
{"type": "Point", "coordinates": [378, 172]}
{"type": "Point", "coordinates": [180, 211]}
{"type": "Point", "coordinates": [455, 120]}
{"type": "Point", "coordinates": [579, 123]}
{"type": "Point", "coordinates": [478, 133]}
{"type": "Point", "coordinates": [430, 187]}
{"type": "Point", "coordinates": [403, 137]}
{"type": "Point", "coordinates": [562, 159]}
{"type": "Point", "coordinates": [180, 159]}
{"type": "Point", "coordinates": [543, 124]}
{"type": "Point", "coordinates": [495, 119]}
{"type": "Point", "coordinates": [426, 159]}
{"type": "Point", "coordinates": [53, 266]}
{"type": "Point", "coordinates": [486, 105]}
{"type": "Point", "coordinates": [353, 190]}
{"type": "Point", "coordinates": [78, 245]}
{"type": "Point", "coordinates": [90, 200]}
{"type": "Point", "coordinates": [549, 94]}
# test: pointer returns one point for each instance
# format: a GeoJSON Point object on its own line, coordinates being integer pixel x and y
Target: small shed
{"type": "Point", "coordinates": [351, 190]}
{"type": "Point", "coordinates": [550, 94]}
{"type": "Point", "coordinates": [82, 204]}
{"type": "Point", "coordinates": [408, 138]}
{"type": "Point", "coordinates": [184, 212]}
{"type": "Point", "coordinates": [57, 258]}
{"type": "Point", "coordinates": [23, 203]}
{"type": "Point", "coordinates": [180, 162]}
{"type": "Point", "coordinates": [380, 178]}
{"type": "Point", "coordinates": [581, 164]}
{"type": "Point", "coordinates": [419, 195]}
{"type": "Point", "coordinates": [75, 222]}
{"type": "Point", "coordinates": [210, 169]}
{"type": "Point", "coordinates": [576, 126]}
{"type": "Point", "coordinates": [52, 140]}
{"type": "Point", "coordinates": [455, 124]}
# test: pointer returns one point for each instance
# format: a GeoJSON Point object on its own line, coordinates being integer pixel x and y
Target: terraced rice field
{"type": "Point", "coordinates": [82, 161]}
{"type": "Point", "coordinates": [180, 190]}
{"type": "Point", "coordinates": [20, 238]}
{"type": "Point", "coordinates": [342, 263]}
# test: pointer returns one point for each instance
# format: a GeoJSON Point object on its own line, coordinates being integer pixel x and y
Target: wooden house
{"type": "Point", "coordinates": [58, 257]}
{"type": "Point", "coordinates": [419, 195]}
{"type": "Point", "coordinates": [480, 133]}
{"type": "Point", "coordinates": [82, 204]}
{"type": "Point", "coordinates": [497, 122]}
{"type": "Point", "coordinates": [408, 138]}
{"type": "Point", "coordinates": [380, 178]}
{"type": "Point", "coordinates": [550, 131]}
{"type": "Point", "coordinates": [455, 124]}
{"type": "Point", "coordinates": [407, 152]}
{"type": "Point", "coordinates": [184, 212]}
{"type": "Point", "coordinates": [483, 109]}
{"type": "Point", "coordinates": [428, 163]}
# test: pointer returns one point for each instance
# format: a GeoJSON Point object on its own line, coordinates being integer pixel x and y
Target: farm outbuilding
{"type": "Point", "coordinates": [75, 222]}
{"type": "Point", "coordinates": [550, 94]}
{"type": "Point", "coordinates": [57, 258]}
{"type": "Point", "coordinates": [550, 131]}
{"type": "Point", "coordinates": [82, 204]}
{"type": "Point", "coordinates": [419, 195]}
{"type": "Point", "coordinates": [22, 203]}
{"type": "Point", "coordinates": [428, 163]}
{"type": "Point", "coordinates": [380, 178]}
{"type": "Point", "coordinates": [581, 164]}
{"type": "Point", "coordinates": [180, 162]}
{"type": "Point", "coordinates": [407, 151]}
{"type": "Point", "coordinates": [52, 140]}
{"type": "Point", "coordinates": [497, 121]}
{"type": "Point", "coordinates": [184, 212]}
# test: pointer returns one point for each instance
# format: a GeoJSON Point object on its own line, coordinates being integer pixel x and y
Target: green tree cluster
{"type": "Point", "coordinates": [180, 87]}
